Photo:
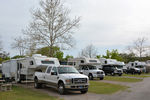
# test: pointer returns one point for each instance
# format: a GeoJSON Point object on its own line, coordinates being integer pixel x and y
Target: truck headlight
{"type": "Point", "coordinates": [68, 81]}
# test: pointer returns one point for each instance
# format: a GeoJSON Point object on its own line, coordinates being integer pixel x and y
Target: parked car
{"type": "Point", "coordinates": [63, 78]}
{"type": "Point", "coordinates": [91, 71]}
{"type": "Point", "coordinates": [133, 71]}
{"type": "Point", "coordinates": [112, 70]}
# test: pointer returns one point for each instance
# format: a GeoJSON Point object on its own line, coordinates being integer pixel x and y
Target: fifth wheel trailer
{"type": "Point", "coordinates": [24, 68]}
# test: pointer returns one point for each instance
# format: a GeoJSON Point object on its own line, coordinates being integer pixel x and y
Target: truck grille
{"type": "Point", "coordinates": [79, 80]}
{"type": "Point", "coordinates": [119, 71]}
{"type": "Point", "coordinates": [100, 73]}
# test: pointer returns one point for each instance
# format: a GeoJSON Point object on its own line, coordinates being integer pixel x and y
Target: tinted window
{"type": "Point", "coordinates": [93, 61]}
{"type": "Point", "coordinates": [49, 69]}
{"type": "Point", "coordinates": [54, 69]}
{"type": "Point", "coordinates": [70, 63]}
{"type": "Point", "coordinates": [47, 62]}
{"type": "Point", "coordinates": [31, 63]}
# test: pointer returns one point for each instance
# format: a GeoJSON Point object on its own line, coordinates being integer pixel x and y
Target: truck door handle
{"type": "Point", "coordinates": [57, 77]}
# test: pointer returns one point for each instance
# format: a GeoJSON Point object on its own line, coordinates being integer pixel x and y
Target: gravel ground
{"type": "Point", "coordinates": [138, 91]}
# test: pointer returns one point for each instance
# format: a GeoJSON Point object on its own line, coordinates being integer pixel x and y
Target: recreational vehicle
{"type": "Point", "coordinates": [24, 68]}
{"type": "Point", "coordinates": [88, 66]}
{"type": "Point", "coordinates": [111, 66]}
{"type": "Point", "coordinates": [137, 64]}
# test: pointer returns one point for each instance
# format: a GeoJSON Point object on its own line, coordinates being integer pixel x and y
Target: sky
{"type": "Point", "coordinates": [107, 24]}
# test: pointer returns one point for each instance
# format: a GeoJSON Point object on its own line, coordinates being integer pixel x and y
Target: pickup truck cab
{"type": "Point", "coordinates": [91, 71]}
{"type": "Point", "coordinates": [63, 78]}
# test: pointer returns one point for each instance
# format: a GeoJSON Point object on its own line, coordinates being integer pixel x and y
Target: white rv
{"type": "Point", "coordinates": [88, 66]}
{"type": "Point", "coordinates": [137, 64]}
{"type": "Point", "coordinates": [24, 68]}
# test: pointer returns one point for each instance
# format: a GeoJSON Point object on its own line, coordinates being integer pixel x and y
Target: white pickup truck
{"type": "Point", "coordinates": [63, 78]}
{"type": "Point", "coordinates": [91, 71]}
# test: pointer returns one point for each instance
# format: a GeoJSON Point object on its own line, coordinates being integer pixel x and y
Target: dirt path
{"type": "Point", "coordinates": [138, 91]}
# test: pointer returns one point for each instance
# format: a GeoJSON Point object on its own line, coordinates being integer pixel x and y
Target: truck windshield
{"type": "Point", "coordinates": [67, 70]}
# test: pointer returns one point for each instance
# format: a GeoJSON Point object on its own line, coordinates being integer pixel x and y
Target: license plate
{"type": "Point", "coordinates": [80, 87]}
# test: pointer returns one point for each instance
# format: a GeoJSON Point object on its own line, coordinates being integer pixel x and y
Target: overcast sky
{"type": "Point", "coordinates": [107, 24]}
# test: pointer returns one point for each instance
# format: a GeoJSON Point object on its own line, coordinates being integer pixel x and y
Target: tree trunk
{"type": "Point", "coordinates": [51, 51]}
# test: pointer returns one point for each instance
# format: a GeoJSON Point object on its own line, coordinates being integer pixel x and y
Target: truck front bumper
{"type": "Point", "coordinates": [98, 75]}
{"type": "Point", "coordinates": [75, 87]}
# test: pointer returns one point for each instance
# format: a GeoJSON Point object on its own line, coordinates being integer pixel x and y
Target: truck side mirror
{"type": "Point", "coordinates": [53, 73]}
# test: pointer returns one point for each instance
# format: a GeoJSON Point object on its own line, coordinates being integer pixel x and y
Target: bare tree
{"type": "Point", "coordinates": [20, 44]}
{"type": "Point", "coordinates": [139, 46]}
{"type": "Point", "coordinates": [89, 51]}
{"type": "Point", "coordinates": [52, 25]}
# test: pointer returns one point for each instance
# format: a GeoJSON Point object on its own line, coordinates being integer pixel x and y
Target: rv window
{"type": "Point", "coordinates": [49, 69]}
{"type": "Point", "coordinates": [82, 61]}
{"type": "Point", "coordinates": [47, 62]}
{"type": "Point", "coordinates": [70, 63]}
{"type": "Point", "coordinates": [132, 64]}
{"type": "Point", "coordinates": [31, 63]}
{"type": "Point", "coordinates": [94, 61]}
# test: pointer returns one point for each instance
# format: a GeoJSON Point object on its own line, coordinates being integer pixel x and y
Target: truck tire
{"type": "Point", "coordinates": [101, 78]}
{"type": "Point", "coordinates": [112, 74]}
{"type": "Point", "coordinates": [90, 76]}
{"type": "Point", "coordinates": [61, 88]}
{"type": "Point", "coordinates": [36, 84]}
{"type": "Point", "coordinates": [119, 74]}
{"type": "Point", "coordinates": [84, 91]}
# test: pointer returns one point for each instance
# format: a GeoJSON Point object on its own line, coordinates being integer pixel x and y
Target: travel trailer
{"type": "Point", "coordinates": [148, 66]}
{"type": "Point", "coordinates": [111, 66]}
{"type": "Point", "coordinates": [137, 64]}
{"type": "Point", "coordinates": [88, 66]}
{"type": "Point", "coordinates": [24, 68]}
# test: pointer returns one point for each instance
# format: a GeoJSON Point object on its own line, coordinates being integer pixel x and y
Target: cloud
{"type": "Point", "coordinates": [107, 24]}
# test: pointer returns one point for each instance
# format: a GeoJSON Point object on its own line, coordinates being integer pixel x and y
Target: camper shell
{"type": "Point", "coordinates": [24, 68]}
{"type": "Point", "coordinates": [137, 64]}
{"type": "Point", "coordinates": [111, 66]}
{"type": "Point", "coordinates": [88, 66]}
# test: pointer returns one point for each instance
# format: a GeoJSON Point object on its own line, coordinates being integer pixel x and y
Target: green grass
{"type": "Point", "coordinates": [105, 88]}
{"type": "Point", "coordinates": [0, 75]}
{"type": "Point", "coordinates": [136, 75]}
{"type": "Point", "coordinates": [19, 93]}
{"type": "Point", "coordinates": [122, 79]}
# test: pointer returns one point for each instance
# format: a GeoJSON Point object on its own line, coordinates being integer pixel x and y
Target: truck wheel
{"type": "Point", "coordinates": [61, 88]}
{"type": "Point", "coordinates": [101, 78]}
{"type": "Point", "coordinates": [90, 76]}
{"type": "Point", "coordinates": [83, 91]}
{"type": "Point", "coordinates": [36, 84]}
{"type": "Point", "coordinates": [120, 74]}
{"type": "Point", "coordinates": [113, 74]}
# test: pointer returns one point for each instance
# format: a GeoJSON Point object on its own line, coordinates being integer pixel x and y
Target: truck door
{"type": "Point", "coordinates": [54, 76]}
{"type": "Point", "coordinates": [85, 70]}
{"type": "Point", "coordinates": [47, 74]}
